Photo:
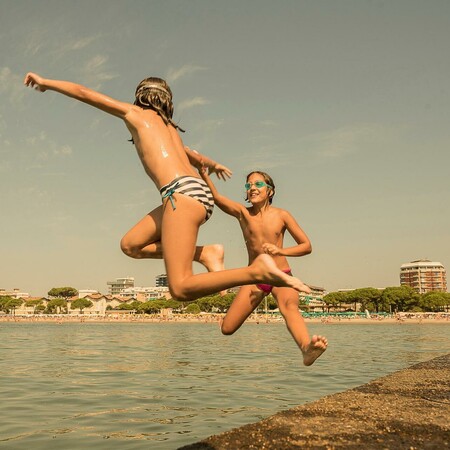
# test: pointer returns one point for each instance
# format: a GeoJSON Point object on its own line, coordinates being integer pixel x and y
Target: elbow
{"type": "Point", "coordinates": [308, 249]}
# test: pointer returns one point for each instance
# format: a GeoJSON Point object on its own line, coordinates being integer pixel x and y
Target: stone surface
{"type": "Point", "coordinates": [409, 409]}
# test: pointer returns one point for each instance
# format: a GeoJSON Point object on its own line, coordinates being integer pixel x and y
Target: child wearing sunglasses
{"type": "Point", "coordinates": [263, 227]}
{"type": "Point", "coordinates": [170, 231]}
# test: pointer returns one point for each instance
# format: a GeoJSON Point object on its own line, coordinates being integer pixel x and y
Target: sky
{"type": "Point", "coordinates": [346, 104]}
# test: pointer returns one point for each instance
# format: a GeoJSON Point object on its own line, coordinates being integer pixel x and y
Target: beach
{"type": "Point", "coordinates": [405, 318]}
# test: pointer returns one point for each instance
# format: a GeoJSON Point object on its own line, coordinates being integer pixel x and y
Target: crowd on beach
{"type": "Point", "coordinates": [400, 318]}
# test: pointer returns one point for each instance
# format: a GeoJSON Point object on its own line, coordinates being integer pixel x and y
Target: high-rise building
{"type": "Point", "coordinates": [161, 280]}
{"type": "Point", "coordinates": [424, 276]}
{"type": "Point", "coordinates": [116, 287]}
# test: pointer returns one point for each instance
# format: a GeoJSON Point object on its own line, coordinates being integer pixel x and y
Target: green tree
{"type": "Point", "coordinates": [63, 292]}
{"type": "Point", "coordinates": [9, 304]}
{"type": "Point", "coordinates": [135, 304]}
{"type": "Point", "coordinates": [205, 304]}
{"type": "Point", "coordinates": [222, 303]}
{"type": "Point", "coordinates": [193, 308]}
{"type": "Point", "coordinates": [434, 301]}
{"type": "Point", "coordinates": [124, 307]}
{"type": "Point", "coordinates": [399, 298]}
{"type": "Point", "coordinates": [268, 301]}
{"type": "Point", "coordinates": [172, 303]}
{"type": "Point", "coordinates": [56, 306]}
{"type": "Point", "coordinates": [81, 304]}
{"type": "Point", "coordinates": [370, 299]}
{"type": "Point", "coordinates": [335, 299]}
{"type": "Point", "coordinates": [3, 302]}
{"type": "Point", "coordinates": [153, 306]}
{"type": "Point", "coordinates": [37, 304]}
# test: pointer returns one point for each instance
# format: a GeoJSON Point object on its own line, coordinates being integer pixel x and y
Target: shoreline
{"type": "Point", "coordinates": [407, 409]}
{"type": "Point", "coordinates": [215, 318]}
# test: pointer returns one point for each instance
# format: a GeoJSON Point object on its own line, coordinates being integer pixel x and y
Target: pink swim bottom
{"type": "Point", "coordinates": [267, 288]}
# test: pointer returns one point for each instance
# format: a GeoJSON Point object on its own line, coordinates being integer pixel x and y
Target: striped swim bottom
{"type": "Point", "coordinates": [192, 187]}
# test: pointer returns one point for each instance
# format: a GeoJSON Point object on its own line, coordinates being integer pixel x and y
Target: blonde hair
{"type": "Point", "coordinates": [154, 93]}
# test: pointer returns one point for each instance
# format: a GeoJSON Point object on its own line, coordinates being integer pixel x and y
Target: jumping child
{"type": "Point", "coordinates": [263, 227]}
{"type": "Point", "coordinates": [170, 230]}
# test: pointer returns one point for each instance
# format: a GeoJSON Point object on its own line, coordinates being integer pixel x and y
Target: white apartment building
{"type": "Point", "coordinates": [424, 276]}
{"type": "Point", "coordinates": [119, 285]}
{"type": "Point", "coordinates": [143, 294]}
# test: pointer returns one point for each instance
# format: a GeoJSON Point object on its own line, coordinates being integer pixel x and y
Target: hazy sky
{"type": "Point", "coordinates": [345, 103]}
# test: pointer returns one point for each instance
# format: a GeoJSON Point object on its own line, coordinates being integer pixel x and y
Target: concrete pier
{"type": "Point", "coordinates": [409, 409]}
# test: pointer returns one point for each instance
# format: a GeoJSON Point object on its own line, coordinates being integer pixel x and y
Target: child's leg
{"type": "Point", "coordinates": [178, 237]}
{"type": "Point", "coordinates": [287, 300]}
{"type": "Point", "coordinates": [144, 241]}
{"type": "Point", "coordinates": [246, 301]}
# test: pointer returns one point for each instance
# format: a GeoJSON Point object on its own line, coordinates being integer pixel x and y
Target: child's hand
{"type": "Point", "coordinates": [221, 171]}
{"type": "Point", "coordinates": [203, 172]}
{"type": "Point", "coordinates": [271, 249]}
{"type": "Point", "coordinates": [35, 81]}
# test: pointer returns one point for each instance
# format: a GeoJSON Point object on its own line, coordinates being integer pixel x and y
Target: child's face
{"type": "Point", "coordinates": [257, 189]}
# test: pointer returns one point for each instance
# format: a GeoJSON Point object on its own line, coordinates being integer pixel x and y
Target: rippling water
{"type": "Point", "coordinates": [161, 386]}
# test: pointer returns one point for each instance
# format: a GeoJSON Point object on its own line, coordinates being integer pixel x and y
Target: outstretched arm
{"type": "Point", "coordinates": [200, 161]}
{"type": "Point", "coordinates": [224, 203]}
{"type": "Point", "coordinates": [303, 246]}
{"type": "Point", "coordinates": [79, 92]}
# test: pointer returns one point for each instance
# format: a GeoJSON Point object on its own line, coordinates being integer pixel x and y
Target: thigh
{"type": "Point", "coordinates": [147, 230]}
{"type": "Point", "coordinates": [286, 297]}
{"type": "Point", "coordinates": [179, 235]}
{"type": "Point", "coordinates": [246, 301]}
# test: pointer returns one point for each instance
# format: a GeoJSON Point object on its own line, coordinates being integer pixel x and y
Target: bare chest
{"type": "Point", "coordinates": [265, 228]}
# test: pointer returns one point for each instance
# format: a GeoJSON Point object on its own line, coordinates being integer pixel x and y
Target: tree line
{"type": "Point", "coordinates": [390, 300]}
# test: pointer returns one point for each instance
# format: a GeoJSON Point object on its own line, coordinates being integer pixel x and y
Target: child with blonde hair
{"type": "Point", "coordinates": [170, 231]}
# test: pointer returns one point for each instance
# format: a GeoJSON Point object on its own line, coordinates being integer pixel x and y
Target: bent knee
{"type": "Point", "coordinates": [288, 308]}
{"type": "Point", "coordinates": [227, 331]}
{"type": "Point", "coordinates": [179, 293]}
{"type": "Point", "coordinates": [129, 249]}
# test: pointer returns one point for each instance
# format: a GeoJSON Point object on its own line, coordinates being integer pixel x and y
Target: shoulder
{"type": "Point", "coordinates": [283, 214]}
{"type": "Point", "coordinates": [134, 111]}
{"type": "Point", "coordinates": [139, 117]}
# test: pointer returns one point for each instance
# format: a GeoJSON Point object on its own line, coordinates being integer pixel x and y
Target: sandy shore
{"type": "Point", "coordinates": [214, 318]}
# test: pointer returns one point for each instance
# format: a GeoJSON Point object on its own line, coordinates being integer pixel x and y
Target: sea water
{"type": "Point", "coordinates": [164, 385]}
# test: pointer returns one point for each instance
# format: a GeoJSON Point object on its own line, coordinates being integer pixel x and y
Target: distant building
{"type": "Point", "coordinates": [424, 276]}
{"type": "Point", "coordinates": [15, 293]}
{"type": "Point", "coordinates": [119, 285]}
{"type": "Point", "coordinates": [314, 300]}
{"type": "Point", "coordinates": [143, 294]}
{"type": "Point", "coordinates": [161, 280]}
{"type": "Point", "coordinates": [82, 293]}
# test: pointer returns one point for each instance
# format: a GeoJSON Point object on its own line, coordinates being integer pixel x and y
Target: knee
{"type": "Point", "coordinates": [288, 308]}
{"type": "Point", "coordinates": [226, 330]}
{"type": "Point", "coordinates": [179, 293]}
{"type": "Point", "coordinates": [128, 249]}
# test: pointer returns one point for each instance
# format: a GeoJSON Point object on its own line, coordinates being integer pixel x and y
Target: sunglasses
{"type": "Point", "coordinates": [257, 184]}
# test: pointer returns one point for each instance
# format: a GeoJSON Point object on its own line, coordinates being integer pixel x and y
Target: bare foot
{"type": "Point", "coordinates": [212, 257]}
{"type": "Point", "coordinates": [314, 349]}
{"type": "Point", "coordinates": [267, 272]}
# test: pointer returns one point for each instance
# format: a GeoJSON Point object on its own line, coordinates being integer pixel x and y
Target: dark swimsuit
{"type": "Point", "coordinates": [192, 187]}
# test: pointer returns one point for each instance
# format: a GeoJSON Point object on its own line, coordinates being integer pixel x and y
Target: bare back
{"type": "Point", "coordinates": [159, 146]}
